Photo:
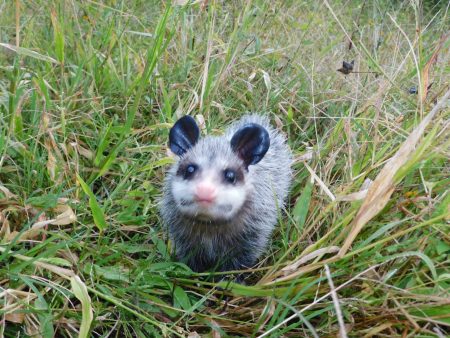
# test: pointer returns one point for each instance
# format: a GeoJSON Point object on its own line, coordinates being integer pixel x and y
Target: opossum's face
{"type": "Point", "coordinates": [211, 181]}
{"type": "Point", "coordinates": [209, 190]}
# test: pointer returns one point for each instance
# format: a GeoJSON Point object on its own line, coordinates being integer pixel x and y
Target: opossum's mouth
{"type": "Point", "coordinates": [204, 212]}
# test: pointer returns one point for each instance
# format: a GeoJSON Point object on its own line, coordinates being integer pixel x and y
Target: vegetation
{"type": "Point", "coordinates": [88, 91]}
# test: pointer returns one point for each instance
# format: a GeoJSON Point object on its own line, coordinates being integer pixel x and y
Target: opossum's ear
{"type": "Point", "coordinates": [251, 143]}
{"type": "Point", "coordinates": [183, 135]}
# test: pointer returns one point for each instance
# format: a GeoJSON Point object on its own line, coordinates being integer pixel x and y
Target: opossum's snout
{"type": "Point", "coordinates": [205, 193]}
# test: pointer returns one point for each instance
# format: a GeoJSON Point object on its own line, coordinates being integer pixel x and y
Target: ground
{"type": "Point", "coordinates": [88, 92]}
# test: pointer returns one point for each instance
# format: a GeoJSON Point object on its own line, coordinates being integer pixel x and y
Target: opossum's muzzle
{"type": "Point", "coordinates": [186, 203]}
{"type": "Point", "coordinates": [225, 207]}
{"type": "Point", "coordinates": [206, 211]}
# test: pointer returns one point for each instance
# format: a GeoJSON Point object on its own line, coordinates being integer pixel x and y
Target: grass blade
{"type": "Point", "coordinates": [28, 52]}
{"type": "Point", "coordinates": [58, 36]}
{"type": "Point", "coordinates": [80, 291]}
{"type": "Point", "coordinates": [97, 212]}
{"type": "Point", "coordinates": [302, 205]}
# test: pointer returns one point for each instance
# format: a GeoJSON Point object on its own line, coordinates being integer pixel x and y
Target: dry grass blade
{"type": "Point", "coordinates": [383, 186]}
{"type": "Point", "coordinates": [322, 251]}
{"type": "Point", "coordinates": [377, 329]}
{"type": "Point", "coordinates": [426, 69]}
{"type": "Point", "coordinates": [8, 194]}
{"type": "Point", "coordinates": [343, 332]}
{"type": "Point", "coordinates": [51, 161]}
{"type": "Point", "coordinates": [356, 196]}
{"type": "Point", "coordinates": [65, 273]}
{"type": "Point", "coordinates": [320, 182]}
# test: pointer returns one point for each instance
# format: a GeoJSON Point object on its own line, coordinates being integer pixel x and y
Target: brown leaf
{"type": "Point", "coordinates": [51, 160]}
{"type": "Point", "coordinates": [426, 69]}
{"type": "Point", "coordinates": [5, 229]}
{"type": "Point", "coordinates": [15, 317]}
{"type": "Point", "coordinates": [65, 215]}
{"type": "Point", "coordinates": [8, 194]}
{"type": "Point", "coordinates": [86, 153]}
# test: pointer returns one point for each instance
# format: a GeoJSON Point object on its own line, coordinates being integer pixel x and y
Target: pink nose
{"type": "Point", "coordinates": [205, 193]}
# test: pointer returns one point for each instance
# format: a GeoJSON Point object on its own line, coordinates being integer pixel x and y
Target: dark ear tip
{"type": "Point", "coordinates": [186, 122]}
{"type": "Point", "coordinates": [251, 143]}
{"type": "Point", "coordinates": [256, 130]}
{"type": "Point", "coordinates": [186, 119]}
{"type": "Point", "coordinates": [262, 133]}
{"type": "Point", "coordinates": [183, 135]}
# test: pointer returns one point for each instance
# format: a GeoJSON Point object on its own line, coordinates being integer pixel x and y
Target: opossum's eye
{"type": "Point", "coordinates": [229, 176]}
{"type": "Point", "coordinates": [190, 171]}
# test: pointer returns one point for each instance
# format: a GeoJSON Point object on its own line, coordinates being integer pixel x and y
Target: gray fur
{"type": "Point", "coordinates": [236, 243]}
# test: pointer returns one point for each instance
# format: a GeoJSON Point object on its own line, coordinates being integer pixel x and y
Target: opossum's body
{"type": "Point", "coordinates": [221, 199]}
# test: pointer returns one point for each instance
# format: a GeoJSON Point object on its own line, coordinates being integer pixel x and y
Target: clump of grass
{"type": "Point", "coordinates": [88, 91]}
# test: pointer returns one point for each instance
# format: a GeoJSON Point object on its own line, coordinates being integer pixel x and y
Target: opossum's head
{"type": "Point", "coordinates": [211, 179]}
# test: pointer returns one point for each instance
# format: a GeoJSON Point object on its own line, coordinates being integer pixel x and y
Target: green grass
{"type": "Point", "coordinates": [88, 92]}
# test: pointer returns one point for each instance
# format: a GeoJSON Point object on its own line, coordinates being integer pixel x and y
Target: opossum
{"type": "Point", "coordinates": [222, 197]}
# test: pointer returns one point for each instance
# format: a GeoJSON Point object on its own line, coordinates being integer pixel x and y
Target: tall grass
{"type": "Point", "coordinates": [88, 92]}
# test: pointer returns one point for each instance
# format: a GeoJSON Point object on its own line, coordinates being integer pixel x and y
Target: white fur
{"type": "Point", "coordinates": [229, 198]}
